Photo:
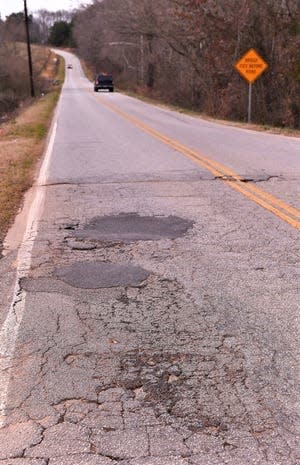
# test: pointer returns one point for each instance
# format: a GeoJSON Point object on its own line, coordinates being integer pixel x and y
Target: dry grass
{"type": "Point", "coordinates": [22, 142]}
{"type": "Point", "coordinates": [40, 54]}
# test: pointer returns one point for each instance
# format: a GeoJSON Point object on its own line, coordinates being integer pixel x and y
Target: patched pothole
{"type": "Point", "coordinates": [96, 275]}
{"type": "Point", "coordinates": [129, 227]}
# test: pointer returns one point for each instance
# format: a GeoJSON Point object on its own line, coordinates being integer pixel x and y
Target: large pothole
{"type": "Point", "coordinates": [96, 275]}
{"type": "Point", "coordinates": [129, 227]}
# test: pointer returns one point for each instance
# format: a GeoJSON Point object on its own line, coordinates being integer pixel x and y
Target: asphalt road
{"type": "Point", "coordinates": [149, 316]}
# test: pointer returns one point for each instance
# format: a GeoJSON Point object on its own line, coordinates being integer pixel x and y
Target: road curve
{"type": "Point", "coordinates": [150, 314]}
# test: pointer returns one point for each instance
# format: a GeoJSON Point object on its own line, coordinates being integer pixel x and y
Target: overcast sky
{"type": "Point", "coordinates": [14, 6]}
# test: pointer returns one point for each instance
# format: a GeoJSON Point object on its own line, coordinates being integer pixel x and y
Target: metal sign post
{"type": "Point", "coordinates": [250, 102]}
{"type": "Point", "coordinates": [250, 67]}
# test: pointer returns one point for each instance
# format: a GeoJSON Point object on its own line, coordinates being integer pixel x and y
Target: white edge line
{"type": "Point", "coordinates": [10, 328]}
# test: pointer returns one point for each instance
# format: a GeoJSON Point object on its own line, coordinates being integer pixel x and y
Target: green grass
{"type": "Point", "coordinates": [30, 130]}
{"type": "Point", "coordinates": [27, 163]}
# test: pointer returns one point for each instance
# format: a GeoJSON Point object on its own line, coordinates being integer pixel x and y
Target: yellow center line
{"type": "Point", "coordinates": [251, 191]}
{"type": "Point", "coordinates": [249, 186]}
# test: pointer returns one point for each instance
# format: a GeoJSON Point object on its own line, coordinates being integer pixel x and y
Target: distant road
{"type": "Point", "coordinates": [150, 314]}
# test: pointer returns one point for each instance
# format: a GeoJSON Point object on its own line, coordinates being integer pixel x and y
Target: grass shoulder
{"type": "Point", "coordinates": [22, 144]}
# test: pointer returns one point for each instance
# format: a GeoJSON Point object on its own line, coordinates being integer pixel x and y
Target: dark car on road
{"type": "Point", "coordinates": [104, 81]}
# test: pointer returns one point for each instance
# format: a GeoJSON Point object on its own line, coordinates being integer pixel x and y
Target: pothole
{"type": "Point", "coordinates": [129, 227]}
{"type": "Point", "coordinates": [96, 275]}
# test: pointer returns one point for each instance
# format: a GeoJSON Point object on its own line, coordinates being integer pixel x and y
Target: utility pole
{"type": "Point", "coordinates": [29, 50]}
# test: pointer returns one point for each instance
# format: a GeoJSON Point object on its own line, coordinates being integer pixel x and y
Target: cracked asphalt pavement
{"type": "Point", "coordinates": [151, 314]}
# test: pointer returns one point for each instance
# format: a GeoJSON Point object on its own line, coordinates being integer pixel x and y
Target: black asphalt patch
{"type": "Point", "coordinates": [95, 275]}
{"type": "Point", "coordinates": [129, 227]}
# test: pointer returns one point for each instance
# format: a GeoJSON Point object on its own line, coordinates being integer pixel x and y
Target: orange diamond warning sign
{"type": "Point", "coordinates": [251, 66]}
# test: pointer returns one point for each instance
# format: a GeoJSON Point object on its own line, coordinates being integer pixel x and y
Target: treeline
{"type": "Point", "coordinates": [184, 51]}
{"type": "Point", "coordinates": [46, 27]}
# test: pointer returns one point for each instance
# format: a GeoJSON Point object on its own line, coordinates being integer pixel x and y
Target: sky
{"type": "Point", "coordinates": [14, 6]}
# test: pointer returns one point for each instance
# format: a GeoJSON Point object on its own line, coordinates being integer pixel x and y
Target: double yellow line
{"type": "Point", "coordinates": [282, 210]}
